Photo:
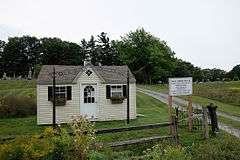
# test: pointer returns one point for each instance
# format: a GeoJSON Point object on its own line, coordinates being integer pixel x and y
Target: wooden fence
{"type": "Point", "coordinates": [182, 116]}
{"type": "Point", "coordinates": [173, 136]}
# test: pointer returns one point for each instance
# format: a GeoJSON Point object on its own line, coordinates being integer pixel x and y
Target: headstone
{"type": "Point", "coordinates": [29, 75]}
{"type": "Point", "coordinates": [19, 77]}
{"type": "Point", "coordinates": [4, 76]}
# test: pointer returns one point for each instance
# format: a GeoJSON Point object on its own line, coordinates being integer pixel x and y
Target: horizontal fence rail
{"type": "Point", "coordinates": [173, 136]}
{"type": "Point", "coordinates": [133, 128]}
{"type": "Point", "coordinates": [140, 140]}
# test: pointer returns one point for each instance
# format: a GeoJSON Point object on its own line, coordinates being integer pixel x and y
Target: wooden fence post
{"type": "Point", "coordinates": [170, 108]}
{"type": "Point", "coordinates": [190, 112]}
{"type": "Point", "coordinates": [205, 123]}
{"type": "Point", "coordinates": [175, 128]}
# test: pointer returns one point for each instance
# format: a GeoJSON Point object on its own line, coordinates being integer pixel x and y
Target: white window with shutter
{"type": "Point", "coordinates": [116, 91]}
{"type": "Point", "coordinates": [61, 92]}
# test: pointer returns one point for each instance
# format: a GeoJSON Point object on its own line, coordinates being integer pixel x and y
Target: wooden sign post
{"type": "Point", "coordinates": [170, 111]}
{"type": "Point", "coordinates": [190, 113]}
{"type": "Point", "coordinates": [180, 87]}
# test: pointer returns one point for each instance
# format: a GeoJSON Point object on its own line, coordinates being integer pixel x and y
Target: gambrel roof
{"type": "Point", "coordinates": [66, 74]}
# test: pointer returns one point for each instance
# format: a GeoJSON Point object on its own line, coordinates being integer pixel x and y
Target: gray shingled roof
{"type": "Point", "coordinates": [67, 74]}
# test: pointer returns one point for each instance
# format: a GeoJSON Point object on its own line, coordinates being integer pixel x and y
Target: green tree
{"type": "Point", "coordinates": [101, 50]}
{"type": "Point", "coordinates": [147, 56]}
{"type": "Point", "coordinates": [20, 55]}
{"type": "Point", "coordinates": [106, 50]}
{"type": "Point", "coordinates": [55, 51]}
{"type": "Point", "coordinates": [2, 45]}
{"type": "Point", "coordinates": [235, 72]}
{"type": "Point", "coordinates": [183, 69]}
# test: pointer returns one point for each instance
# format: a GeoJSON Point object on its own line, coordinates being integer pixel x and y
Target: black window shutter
{"type": "Point", "coordinates": [50, 93]}
{"type": "Point", "coordinates": [124, 90]}
{"type": "Point", "coordinates": [108, 91]}
{"type": "Point", "coordinates": [69, 92]}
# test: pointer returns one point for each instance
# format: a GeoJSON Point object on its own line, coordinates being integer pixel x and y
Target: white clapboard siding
{"type": "Point", "coordinates": [105, 109]}
{"type": "Point", "coordinates": [109, 111]}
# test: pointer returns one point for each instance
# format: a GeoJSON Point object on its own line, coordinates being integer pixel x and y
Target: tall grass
{"type": "Point", "coordinates": [17, 106]}
{"type": "Point", "coordinates": [227, 92]}
{"type": "Point", "coordinates": [17, 98]}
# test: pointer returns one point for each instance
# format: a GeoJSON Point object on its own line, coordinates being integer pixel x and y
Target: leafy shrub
{"type": "Point", "coordinates": [17, 106]}
{"type": "Point", "coordinates": [25, 148]}
{"type": "Point", "coordinates": [56, 144]}
{"type": "Point", "coordinates": [84, 136]}
{"type": "Point", "coordinates": [167, 151]}
{"type": "Point", "coordinates": [226, 148]}
{"type": "Point", "coordinates": [60, 141]}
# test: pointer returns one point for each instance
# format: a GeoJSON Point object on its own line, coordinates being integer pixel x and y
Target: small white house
{"type": "Point", "coordinates": [99, 92]}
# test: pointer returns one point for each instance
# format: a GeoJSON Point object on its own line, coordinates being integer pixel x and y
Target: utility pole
{"type": "Point", "coordinates": [54, 99]}
{"type": "Point", "coordinates": [128, 97]}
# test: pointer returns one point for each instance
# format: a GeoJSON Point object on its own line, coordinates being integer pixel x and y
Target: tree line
{"type": "Point", "coordinates": [148, 57]}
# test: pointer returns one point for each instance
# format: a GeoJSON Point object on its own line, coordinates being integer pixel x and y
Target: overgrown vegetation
{"type": "Point", "coordinates": [54, 143]}
{"type": "Point", "coordinates": [227, 92]}
{"type": "Point", "coordinates": [17, 106]}
{"type": "Point", "coordinates": [58, 144]}
{"type": "Point", "coordinates": [17, 98]}
{"type": "Point", "coordinates": [212, 149]}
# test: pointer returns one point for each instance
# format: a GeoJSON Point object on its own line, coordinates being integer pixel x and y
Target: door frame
{"type": "Point", "coordinates": [96, 95]}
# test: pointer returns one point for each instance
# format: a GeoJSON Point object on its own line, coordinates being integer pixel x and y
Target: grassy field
{"type": "Point", "coordinates": [230, 122]}
{"type": "Point", "coordinates": [153, 110]}
{"type": "Point", "coordinates": [226, 95]}
{"type": "Point", "coordinates": [17, 87]}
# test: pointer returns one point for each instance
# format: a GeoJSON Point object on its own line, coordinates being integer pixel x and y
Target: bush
{"type": "Point", "coordinates": [226, 148]}
{"type": "Point", "coordinates": [60, 141]}
{"type": "Point", "coordinates": [167, 151]}
{"type": "Point", "coordinates": [25, 148]}
{"type": "Point", "coordinates": [84, 136]}
{"type": "Point", "coordinates": [17, 106]}
{"type": "Point", "coordinates": [56, 144]}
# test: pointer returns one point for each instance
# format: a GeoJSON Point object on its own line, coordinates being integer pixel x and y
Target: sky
{"type": "Point", "coordinates": [203, 32]}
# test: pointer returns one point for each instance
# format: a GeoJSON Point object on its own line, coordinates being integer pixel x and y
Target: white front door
{"type": "Point", "coordinates": [88, 105]}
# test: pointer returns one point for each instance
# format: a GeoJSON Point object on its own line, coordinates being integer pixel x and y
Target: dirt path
{"type": "Point", "coordinates": [180, 102]}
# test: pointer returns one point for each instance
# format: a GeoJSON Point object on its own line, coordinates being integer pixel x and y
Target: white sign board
{"type": "Point", "coordinates": [180, 86]}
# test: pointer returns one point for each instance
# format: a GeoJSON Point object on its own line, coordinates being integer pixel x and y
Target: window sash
{"type": "Point", "coordinates": [61, 92]}
{"type": "Point", "coordinates": [116, 91]}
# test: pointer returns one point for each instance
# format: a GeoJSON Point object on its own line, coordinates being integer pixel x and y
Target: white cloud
{"type": "Point", "coordinates": [203, 32]}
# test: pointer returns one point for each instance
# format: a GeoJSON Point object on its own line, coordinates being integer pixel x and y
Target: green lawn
{"type": "Point", "coordinates": [223, 107]}
{"type": "Point", "coordinates": [153, 110]}
{"type": "Point", "coordinates": [14, 127]}
{"type": "Point", "coordinates": [155, 87]}
{"type": "Point", "coordinates": [18, 87]}
{"type": "Point", "coordinates": [219, 88]}
{"type": "Point", "coordinates": [230, 122]}
{"type": "Point", "coordinates": [225, 92]}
